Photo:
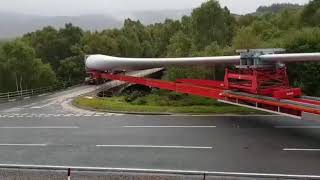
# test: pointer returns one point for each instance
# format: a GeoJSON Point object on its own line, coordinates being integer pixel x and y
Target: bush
{"type": "Point", "coordinates": [132, 96]}
{"type": "Point", "coordinates": [139, 101]}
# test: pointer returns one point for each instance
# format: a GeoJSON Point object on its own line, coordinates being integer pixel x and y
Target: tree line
{"type": "Point", "coordinates": [50, 55]}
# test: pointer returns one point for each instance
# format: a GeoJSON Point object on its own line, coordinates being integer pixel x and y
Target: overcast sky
{"type": "Point", "coordinates": [77, 7]}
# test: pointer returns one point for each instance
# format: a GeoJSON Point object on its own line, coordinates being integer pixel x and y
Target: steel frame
{"type": "Point", "coordinates": [269, 82]}
{"type": "Point", "coordinates": [220, 91]}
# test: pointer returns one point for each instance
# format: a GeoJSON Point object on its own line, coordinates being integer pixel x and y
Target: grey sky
{"type": "Point", "coordinates": [77, 7]}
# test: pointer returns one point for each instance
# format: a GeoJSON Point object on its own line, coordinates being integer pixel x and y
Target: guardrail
{"type": "Point", "coordinates": [9, 96]}
{"type": "Point", "coordinates": [27, 172]}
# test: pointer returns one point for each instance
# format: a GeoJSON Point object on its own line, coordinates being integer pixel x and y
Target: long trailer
{"type": "Point", "coordinates": [258, 81]}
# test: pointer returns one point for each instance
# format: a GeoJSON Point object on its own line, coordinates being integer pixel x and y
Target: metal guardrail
{"type": "Point", "coordinates": [8, 96]}
{"type": "Point", "coordinates": [78, 172]}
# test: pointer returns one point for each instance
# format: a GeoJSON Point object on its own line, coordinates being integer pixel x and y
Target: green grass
{"type": "Point", "coordinates": [162, 102]}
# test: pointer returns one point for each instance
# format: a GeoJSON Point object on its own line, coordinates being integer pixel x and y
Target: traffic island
{"type": "Point", "coordinates": [158, 102]}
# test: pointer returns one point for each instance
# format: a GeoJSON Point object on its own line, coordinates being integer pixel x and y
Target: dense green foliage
{"type": "Point", "coordinates": [210, 30]}
{"type": "Point", "coordinates": [20, 69]}
{"type": "Point", "coordinates": [275, 8]}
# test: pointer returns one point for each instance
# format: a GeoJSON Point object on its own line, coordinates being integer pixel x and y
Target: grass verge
{"type": "Point", "coordinates": [157, 103]}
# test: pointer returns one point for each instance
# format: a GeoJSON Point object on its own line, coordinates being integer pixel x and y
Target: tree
{"type": "Point", "coordinates": [278, 7]}
{"type": "Point", "coordinates": [161, 35]}
{"type": "Point", "coordinates": [246, 38]}
{"type": "Point", "coordinates": [306, 75]}
{"type": "Point", "coordinates": [24, 70]}
{"type": "Point", "coordinates": [311, 14]}
{"type": "Point", "coordinates": [100, 43]}
{"type": "Point", "coordinates": [180, 45]}
{"type": "Point", "coordinates": [53, 45]}
{"type": "Point", "coordinates": [71, 70]}
{"type": "Point", "coordinates": [212, 23]}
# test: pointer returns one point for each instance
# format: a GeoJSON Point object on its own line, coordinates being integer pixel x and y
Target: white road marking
{"type": "Point", "coordinates": [28, 105]}
{"type": "Point", "coordinates": [152, 146]}
{"type": "Point", "coordinates": [39, 107]}
{"type": "Point", "coordinates": [191, 172]}
{"type": "Point", "coordinates": [23, 144]}
{"type": "Point", "coordinates": [35, 107]}
{"type": "Point", "coordinates": [297, 149]}
{"type": "Point", "coordinates": [169, 126]}
{"type": "Point", "coordinates": [50, 115]}
{"type": "Point", "coordinates": [222, 115]}
{"type": "Point", "coordinates": [297, 127]}
{"type": "Point", "coordinates": [26, 97]}
{"type": "Point", "coordinates": [42, 94]}
{"type": "Point", "coordinates": [40, 127]}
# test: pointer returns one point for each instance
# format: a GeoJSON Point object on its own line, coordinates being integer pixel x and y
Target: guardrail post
{"type": "Point", "coordinates": [69, 174]}
{"type": "Point", "coordinates": [8, 96]}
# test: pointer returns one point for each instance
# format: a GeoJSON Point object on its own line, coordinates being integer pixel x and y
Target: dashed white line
{"type": "Point", "coordinates": [169, 126]}
{"type": "Point", "coordinates": [23, 144]}
{"type": "Point", "coordinates": [297, 127]}
{"type": "Point", "coordinates": [57, 115]}
{"type": "Point", "coordinates": [40, 127]}
{"type": "Point", "coordinates": [299, 149]}
{"type": "Point", "coordinates": [35, 107]}
{"type": "Point", "coordinates": [154, 146]}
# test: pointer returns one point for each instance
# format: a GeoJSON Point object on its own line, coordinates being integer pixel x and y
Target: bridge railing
{"type": "Point", "coordinates": [14, 95]}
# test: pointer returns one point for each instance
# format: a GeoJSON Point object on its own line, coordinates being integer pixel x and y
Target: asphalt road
{"type": "Point", "coordinates": [46, 130]}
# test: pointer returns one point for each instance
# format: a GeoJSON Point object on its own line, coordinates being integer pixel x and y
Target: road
{"type": "Point", "coordinates": [47, 130]}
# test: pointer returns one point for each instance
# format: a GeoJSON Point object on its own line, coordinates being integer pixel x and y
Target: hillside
{"type": "Point", "coordinates": [151, 17]}
{"type": "Point", "coordinates": [275, 8]}
{"type": "Point", "coordinates": [13, 24]}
